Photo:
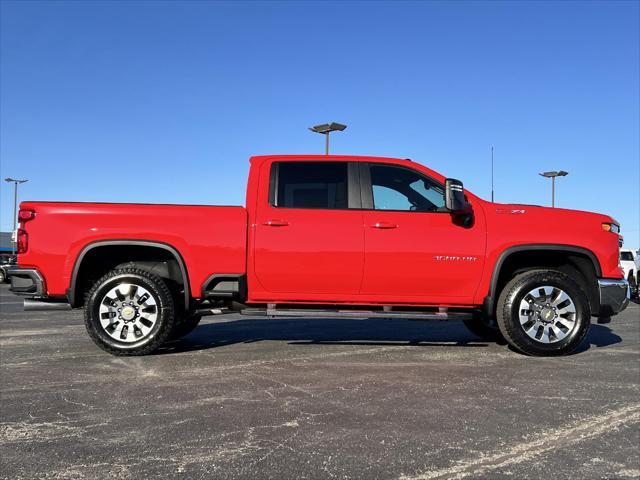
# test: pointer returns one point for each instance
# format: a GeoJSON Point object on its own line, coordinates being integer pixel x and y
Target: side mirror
{"type": "Point", "coordinates": [454, 198]}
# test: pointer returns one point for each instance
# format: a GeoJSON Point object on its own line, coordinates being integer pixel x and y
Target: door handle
{"type": "Point", "coordinates": [384, 225]}
{"type": "Point", "coordinates": [276, 223]}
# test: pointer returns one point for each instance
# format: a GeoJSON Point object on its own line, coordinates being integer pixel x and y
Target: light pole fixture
{"type": "Point", "coordinates": [552, 176]}
{"type": "Point", "coordinates": [15, 208]}
{"type": "Point", "coordinates": [325, 129]}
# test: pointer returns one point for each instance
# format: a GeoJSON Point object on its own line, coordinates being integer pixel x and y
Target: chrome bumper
{"type": "Point", "coordinates": [27, 282]}
{"type": "Point", "coordinates": [614, 296]}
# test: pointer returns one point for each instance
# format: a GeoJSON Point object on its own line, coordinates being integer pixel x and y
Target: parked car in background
{"type": "Point", "coordinates": [5, 264]}
{"type": "Point", "coordinates": [630, 264]}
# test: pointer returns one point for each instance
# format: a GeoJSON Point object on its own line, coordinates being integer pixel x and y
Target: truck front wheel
{"type": "Point", "coordinates": [544, 313]}
{"type": "Point", "coordinates": [484, 327]}
{"type": "Point", "coordinates": [129, 312]}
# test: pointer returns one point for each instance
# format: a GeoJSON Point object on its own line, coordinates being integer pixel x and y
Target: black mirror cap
{"type": "Point", "coordinates": [455, 200]}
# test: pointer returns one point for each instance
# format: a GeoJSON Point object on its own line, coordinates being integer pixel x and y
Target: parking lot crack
{"type": "Point", "coordinates": [545, 441]}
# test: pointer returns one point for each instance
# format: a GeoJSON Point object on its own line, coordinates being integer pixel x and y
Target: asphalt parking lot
{"type": "Point", "coordinates": [254, 398]}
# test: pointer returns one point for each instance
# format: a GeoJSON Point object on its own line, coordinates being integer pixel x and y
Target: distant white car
{"type": "Point", "coordinates": [631, 264]}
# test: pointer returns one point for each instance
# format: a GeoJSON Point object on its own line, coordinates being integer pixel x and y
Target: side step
{"type": "Point", "coordinates": [319, 313]}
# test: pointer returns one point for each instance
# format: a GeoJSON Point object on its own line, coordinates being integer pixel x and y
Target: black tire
{"type": "Point", "coordinates": [633, 285]}
{"type": "Point", "coordinates": [3, 277]}
{"type": "Point", "coordinates": [508, 314]}
{"type": "Point", "coordinates": [484, 327]}
{"type": "Point", "coordinates": [163, 312]}
{"type": "Point", "coordinates": [185, 326]}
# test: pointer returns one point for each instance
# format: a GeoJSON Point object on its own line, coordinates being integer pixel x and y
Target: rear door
{"type": "Point", "coordinates": [309, 236]}
{"type": "Point", "coordinates": [414, 251]}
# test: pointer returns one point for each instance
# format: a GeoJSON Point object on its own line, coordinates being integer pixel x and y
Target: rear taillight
{"type": "Point", "coordinates": [26, 215]}
{"type": "Point", "coordinates": [22, 237]}
{"type": "Point", "coordinates": [22, 240]}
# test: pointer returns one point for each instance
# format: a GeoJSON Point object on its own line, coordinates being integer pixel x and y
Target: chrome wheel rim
{"type": "Point", "coordinates": [547, 314]}
{"type": "Point", "coordinates": [128, 312]}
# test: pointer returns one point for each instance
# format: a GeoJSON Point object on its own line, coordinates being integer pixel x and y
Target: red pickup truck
{"type": "Point", "coordinates": [325, 236]}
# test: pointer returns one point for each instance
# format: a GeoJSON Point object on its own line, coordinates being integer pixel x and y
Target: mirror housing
{"type": "Point", "coordinates": [457, 204]}
{"type": "Point", "coordinates": [454, 198]}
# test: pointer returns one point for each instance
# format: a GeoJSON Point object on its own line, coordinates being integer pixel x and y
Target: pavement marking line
{"type": "Point", "coordinates": [552, 439]}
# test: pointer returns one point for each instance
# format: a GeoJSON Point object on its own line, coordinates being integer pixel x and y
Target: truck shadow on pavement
{"type": "Point", "coordinates": [366, 332]}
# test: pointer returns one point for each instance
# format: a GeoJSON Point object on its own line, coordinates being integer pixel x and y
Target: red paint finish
{"type": "Point", "coordinates": [349, 256]}
{"type": "Point", "coordinates": [204, 236]}
{"type": "Point", "coordinates": [322, 253]}
{"type": "Point", "coordinates": [425, 256]}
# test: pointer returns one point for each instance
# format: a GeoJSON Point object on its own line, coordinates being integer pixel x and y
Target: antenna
{"type": "Point", "coordinates": [491, 173]}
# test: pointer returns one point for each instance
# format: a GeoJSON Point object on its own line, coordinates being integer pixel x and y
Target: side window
{"type": "Point", "coordinates": [398, 188]}
{"type": "Point", "coordinates": [311, 185]}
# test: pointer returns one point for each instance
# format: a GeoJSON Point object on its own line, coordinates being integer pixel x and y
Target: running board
{"type": "Point", "coordinates": [406, 315]}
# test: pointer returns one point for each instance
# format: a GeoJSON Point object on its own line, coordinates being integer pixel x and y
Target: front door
{"type": "Point", "coordinates": [308, 242]}
{"type": "Point", "coordinates": [413, 249]}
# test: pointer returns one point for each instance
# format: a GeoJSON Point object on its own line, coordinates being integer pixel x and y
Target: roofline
{"type": "Point", "coordinates": [308, 156]}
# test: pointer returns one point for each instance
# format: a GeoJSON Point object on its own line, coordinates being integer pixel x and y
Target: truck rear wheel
{"type": "Point", "coordinates": [544, 313]}
{"type": "Point", "coordinates": [185, 326]}
{"type": "Point", "coordinates": [129, 312]}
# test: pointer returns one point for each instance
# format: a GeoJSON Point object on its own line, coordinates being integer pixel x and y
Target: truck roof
{"type": "Point", "coordinates": [319, 157]}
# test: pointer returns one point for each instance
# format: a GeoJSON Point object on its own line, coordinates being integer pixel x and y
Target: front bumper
{"type": "Point", "coordinates": [27, 282]}
{"type": "Point", "coordinates": [614, 296]}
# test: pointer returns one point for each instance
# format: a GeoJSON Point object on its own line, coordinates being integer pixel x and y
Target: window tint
{"type": "Point", "coordinates": [398, 188]}
{"type": "Point", "coordinates": [312, 185]}
{"type": "Point", "coordinates": [627, 256]}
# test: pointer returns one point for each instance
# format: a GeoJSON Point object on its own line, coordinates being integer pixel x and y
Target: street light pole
{"type": "Point", "coordinates": [325, 129]}
{"type": "Point", "coordinates": [552, 176]}
{"type": "Point", "coordinates": [15, 207]}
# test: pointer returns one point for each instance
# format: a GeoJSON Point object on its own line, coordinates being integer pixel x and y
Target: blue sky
{"type": "Point", "coordinates": [165, 101]}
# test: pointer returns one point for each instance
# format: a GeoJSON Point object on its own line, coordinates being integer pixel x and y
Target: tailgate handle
{"type": "Point", "coordinates": [384, 225]}
{"type": "Point", "coordinates": [276, 223]}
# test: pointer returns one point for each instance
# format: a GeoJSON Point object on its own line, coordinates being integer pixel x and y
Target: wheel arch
{"type": "Point", "coordinates": [570, 252]}
{"type": "Point", "coordinates": [73, 291]}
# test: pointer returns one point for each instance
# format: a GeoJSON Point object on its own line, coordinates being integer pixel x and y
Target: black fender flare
{"type": "Point", "coordinates": [490, 299]}
{"type": "Point", "coordinates": [71, 293]}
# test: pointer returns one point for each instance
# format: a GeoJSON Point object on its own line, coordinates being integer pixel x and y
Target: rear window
{"type": "Point", "coordinates": [311, 185]}
{"type": "Point", "coordinates": [626, 256]}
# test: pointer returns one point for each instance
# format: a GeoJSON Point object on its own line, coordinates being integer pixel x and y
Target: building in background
{"type": "Point", "coordinates": [6, 248]}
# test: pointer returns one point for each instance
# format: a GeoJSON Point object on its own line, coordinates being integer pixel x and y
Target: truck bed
{"type": "Point", "coordinates": [210, 239]}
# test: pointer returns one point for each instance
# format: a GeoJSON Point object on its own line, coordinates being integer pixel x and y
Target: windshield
{"type": "Point", "coordinates": [627, 256]}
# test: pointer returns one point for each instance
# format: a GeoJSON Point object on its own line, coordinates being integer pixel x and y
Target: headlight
{"type": "Point", "coordinates": [611, 227]}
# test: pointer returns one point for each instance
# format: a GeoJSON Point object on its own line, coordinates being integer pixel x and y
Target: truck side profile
{"type": "Point", "coordinates": [325, 236]}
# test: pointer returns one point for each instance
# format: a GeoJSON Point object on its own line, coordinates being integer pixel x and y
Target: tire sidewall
{"type": "Point", "coordinates": [484, 327]}
{"type": "Point", "coordinates": [511, 314]}
{"type": "Point", "coordinates": [633, 284]}
{"type": "Point", "coordinates": [164, 309]}
{"type": "Point", "coordinates": [183, 328]}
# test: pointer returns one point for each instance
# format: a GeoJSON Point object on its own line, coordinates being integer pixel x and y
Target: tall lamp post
{"type": "Point", "coordinates": [15, 207]}
{"type": "Point", "coordinates": [552, 176]}
{"type": "Point", "coordinates": [325, 129]}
